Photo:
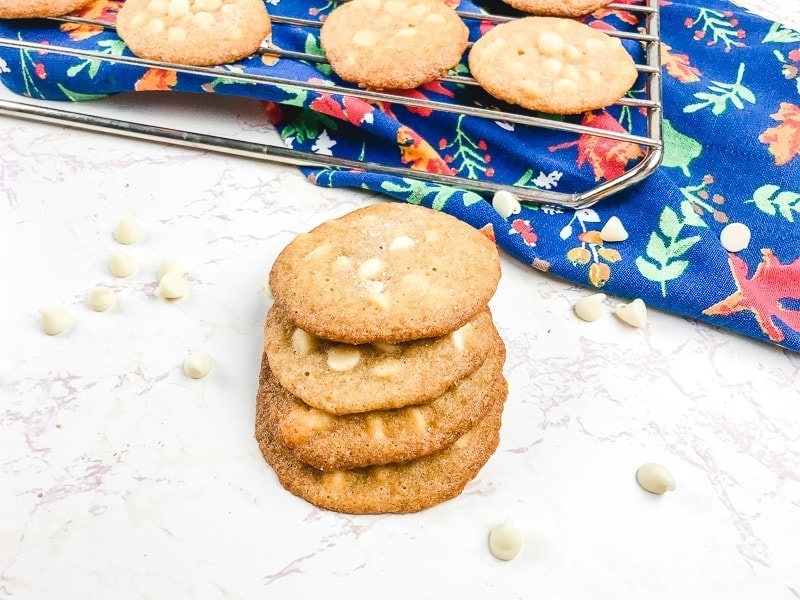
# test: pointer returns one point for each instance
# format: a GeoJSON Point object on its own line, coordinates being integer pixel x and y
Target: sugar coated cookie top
{"type": "Point", "coordinates": [558, 8]}
{"type": "Point", "coordinates": [393, 43]}
{"type": "Point", "coordinates": [193, 32]}
{"type": "Point", "coordinates": [28, 9]}
{"type": "Point", "coordinates": [389, 272]}
{"type": "Point", "coordinates": [555, 65]}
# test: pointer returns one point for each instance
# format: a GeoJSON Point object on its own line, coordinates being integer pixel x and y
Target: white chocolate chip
{"type": "Point", "coordinates": [613, 231]}
{"type": "Point", "coordinates": [374, 287]}
{"type": "Point", "coordinates": [170, 265]}
{"type": "Point", "coordinates": [386, 369]}
{"type": "Point", "coordinates": [55, 320]}
{"type": "Point", "coordinates": [386, 347]}
{"type": "Point", "coordinates": [178, 8]}
{"type": "Point", "coordinates": [365, 37]}
{"type": "Point", "coordinates": [395, 7]}
{"type": "Point", "coordinates": [634, 313]}
{"type": "Point", "coordinates": [343, 358]}
{"type": "Point", "coordinates": [176, 34]}
{"type": "Point", "coordinates": [735, 237]}
{"type": "Point", "coordinates": [203, 19]}
{"type": "Point", "coordinates": [505, 540]}
{"type": "Point", "coordinates": [206, 5]}
{"type": "Point", "coordinates": [303, 342]}
{"type": "Point", "coordinates": [383, 300]}
{"type": "Point", "coordinates": [370, 268]}
{"type": "Point", "coordinates": [154, 27]}
{"type": "Point", "coordinates": [458, 339]}
{"type": "Point", "coordinates": [101, 298]}
{"type": "Point", "coordinates": [402, 242]}
{"type": "Point", "coordinates": [172, 286]}
{"type": "Point", "coordinates": [550, 43]}
{"type": "Point", "coordinates": [128, 232]}
{"type": "Point", "coordinates": [198, 364]}
{"type": "Point", "coordinates": [590, 308]}
{"type": "Point", "coordinates": [655, 478]}
{"type": "Point", "coordinates": [506, 203]}
{"type": "Point", "coordinates": [123, 264]}
{"type": "Point", "coordinates": [342, 263]}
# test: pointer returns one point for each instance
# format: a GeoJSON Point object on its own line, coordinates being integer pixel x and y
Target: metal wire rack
{"type": "Point", "coordinates": [650, 107]}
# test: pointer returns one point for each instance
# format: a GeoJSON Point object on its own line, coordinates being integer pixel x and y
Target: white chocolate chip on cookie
{"type": "Point", "coordinates": [343, 358]}
{"type": "Point", "coordinates": [303, 342]}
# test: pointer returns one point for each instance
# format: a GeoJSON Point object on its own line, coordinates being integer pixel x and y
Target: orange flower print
{"type": "Point", "coordinates": [784, 140]}
{"type": "Point", "coordinates": [157, 79]}
{"type": "Point", "coordinates": [100, 10]}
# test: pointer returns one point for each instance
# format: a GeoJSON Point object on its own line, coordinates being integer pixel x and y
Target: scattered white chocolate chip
{"type": "Point", "coordinates": [402, 242]}
{"type": "Point", "coordinates": [457, 338]}
{"type": "Point", "coordinates": [172, 287]}
{"type": "Point", "coordinates": [123, 264]}
{"type": "Point", "coordinates": [55, 320]}
{"type": "Point", "coordinates": [266, 289]}
{"type": "Point", "coordinates": [506, 203]}
{"type": "Point", "coordinates": [386, 347]}
{"type": "Point", "coordinates": [370, 268]}
{"type": "Point", "coordinates": [655, 478]}
{"type": "Point", "coordinates": [735, 237]}
{"type": "Point", "coordinates": [505, 540]}
{"type": "Point", "coordinates": [197, 365]}
{"type": "Point", "coordinates": [613, 231]}
{"type": "Point", "coordinates": [343, 358]}
{"type": "Point", "coordinates": [128, 232]}
{"type": "Point", "coordinates": [303, 342]}
{"type": "Point", "coordinates": [101, 298]}
{"type": "Point", "coordinates": [634, 313]}
{"type": "Point", "coordinates": [170, 265]}
{"type": "Point", "coordinates": [590, 308]}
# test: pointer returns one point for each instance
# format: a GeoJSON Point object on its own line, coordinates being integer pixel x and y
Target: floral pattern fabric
{"type": "Point", "coordinates": [731, 129]}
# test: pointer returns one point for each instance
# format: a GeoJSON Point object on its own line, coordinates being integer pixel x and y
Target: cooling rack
{"type": "Point", "coordinates": [648, 108]}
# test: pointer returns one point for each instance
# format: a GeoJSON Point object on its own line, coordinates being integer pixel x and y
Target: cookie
{"type": "Point", "coordinates": [343, 378]}
{"type": "Point", "coordinates": [551, 64]}
{"type": "Point", "coordinates": [28, 9]}
{"type": "Point", "coordinates": [397, 44]}
{"type": "Point", "coordinates": [331, 442]}
{"type": "Point", "coordinates": [395, 488]}
{"type": "Point", "coordinates": [193, 32]}
{"type": "Point", "coordinates": [388, 272]}
{"type": "Point", "coordinates": [558, 8]}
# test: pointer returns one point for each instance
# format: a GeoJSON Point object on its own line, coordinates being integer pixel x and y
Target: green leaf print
{"type": "Point", "coordinates": [662, 260]}
{"type": "Point", "coordinates": [679, 149]}
{"type": "Point", "coordinates": [778, 34]}
{"type": "Point", "coordinates": [769, 200]}
{"type": "Point", "coordinates": [723, 93]}
{"type": "Point", "coordinates": [108, 47]}
{"type": "Point", "coordinates": [417, 191]}
{"type": "Point", "coordinates": [312, 46]}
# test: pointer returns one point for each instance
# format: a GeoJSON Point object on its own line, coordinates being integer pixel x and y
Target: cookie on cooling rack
{"type": "Point", "coordinates": [400, 44]}
{"type": "Point", "coordinates": [552, 64]}
{"type": "Point", "coordinates": [28, 9]}
{"type": "Point", "coordinates": [329, 442]}
{"type": "Point", "coordinates": [193, 32]}
{"type": "Point", "coordinates": [388, 272]}
{"type": "Point", "coordinates": [344, 379]}
{"type": "Point", "coordinates": [558, 8]}
{"type": "Point", "coordinates": [395, 488]}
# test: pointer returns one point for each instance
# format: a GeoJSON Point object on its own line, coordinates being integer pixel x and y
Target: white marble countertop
{"type": "Point", "coordinates": [121, 478]}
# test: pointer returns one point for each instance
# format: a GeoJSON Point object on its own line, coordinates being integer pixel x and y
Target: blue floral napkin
{"type": "Point", "coordinates": [731, 90]}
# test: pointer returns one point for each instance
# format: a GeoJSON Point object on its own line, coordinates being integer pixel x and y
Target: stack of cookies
{"type": "Point", "coordinates": [381, 387]}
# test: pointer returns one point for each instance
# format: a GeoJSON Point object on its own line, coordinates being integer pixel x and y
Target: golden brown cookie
{"type": "Point", "coordinates": [193, 32]}
{"type": "Point", "coordinates": [552, 64]}
{"type": "Point", "coordinates": [558, 8]}
{"type": "Point", "coordinates": [332, 442]}
{"type": "Point", "coordinates": [343, 378]}
{"type": "Point", "coordinates": [26, 9]}
{"type": "Point", "coordinates": [389, 272]}
{"type": "Point", "coordinates": [393, 43]}
{"type": "Point", "coordinates": [395, 488]}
